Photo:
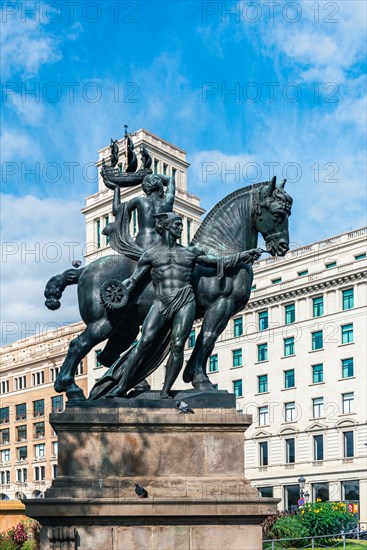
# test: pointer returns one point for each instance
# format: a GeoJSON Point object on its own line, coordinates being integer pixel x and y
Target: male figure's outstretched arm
{"type": "Point", "coordinates": [247, 256]}
{"type": "Point", "coordinates": [144, 265]}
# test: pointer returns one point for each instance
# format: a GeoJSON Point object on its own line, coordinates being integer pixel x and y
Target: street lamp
{"type": "Point", "coordinates": [301, 483]}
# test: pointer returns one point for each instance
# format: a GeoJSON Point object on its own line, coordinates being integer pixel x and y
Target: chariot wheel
{"type": "Point", "coordinates": [114, 294]}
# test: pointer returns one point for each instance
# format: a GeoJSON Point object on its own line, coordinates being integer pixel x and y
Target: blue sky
{"type": "Point", "coordinates": [298, 106]}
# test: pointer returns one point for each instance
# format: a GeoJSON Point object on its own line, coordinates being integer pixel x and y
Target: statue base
{"type": "Point", "coordinates": [191, 465]}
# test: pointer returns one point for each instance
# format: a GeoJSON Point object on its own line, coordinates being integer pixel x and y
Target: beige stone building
{"type": "Point", "coordinates": [28, 444]}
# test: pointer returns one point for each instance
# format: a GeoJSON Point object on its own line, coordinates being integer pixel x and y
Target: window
{"type": "Point", "coordinates": [263, 320]}
{"type": "Point", "coordinates": [55, 471]}
{"type": "Point", "coordinates": [192, 339]}
{"type": "Point", "coordinates": [302, 273]}
{"type": "Point", "coordinates": [289, 378]}
{"type": "Point", "coordinates": [4, 436]}
{"type": "Point", "coordinates": [350, 490]}
{"type": "Point", "coordinates": [266, 492]}
{"type": "Point", "coordinates": [290, 313]}
{"type": "Point", "coordinates": [318, 447]}
{"type": "Point", "coordinates": [38, 378]}
{"type": "Point", "coordinates": [156, 164]}
{"type": "Point", "coordinates": [174, 170]}
{"type": "Point", "coordinates": [360, 256]}
{"type": "Point", "coordinates": [320, 492]}
{"type": "Point", "coordinates": [330, 265]}
{"type": "Point", "coordinates": [22, 433]}
{"type": "Point", "coordinates": [98, 233]}
{"type": "Point", "coordinates": [289, 346]}
{"type": "Point", "coordinates": [20, 382]}
{"type": "Point", "coordinates": [348, 402]}
{"type": "Point", "coordinates": [290, 451]}
{"type": "Point", "coordinates": [165, 169]}
{"type": "Point", "coordinates": [347, 368]}
{"type": "Point", "coordinates": [79, 369]}
{"type": "Point", "coordinates": [291, 496]}
{"type": "Point", "coordinates": [21, 411]}
{"type": "Point", "coordinates": [55, 448]}
{"type": "Point", "coordinates": [39, 450]}
{"type": "Point", "coordinates": [39, 473]}
{"type": "Point", "coordinates": [188, 225]}
{"type": "Point", "coordinates": [237, 358]}
{"type": "Point", "coordinates": [54, 371]}
{"type": "Point", "coordinates": [57, 403]}
{"type": "Point", "coordinates": [5, 456]}
{"type": "Point", "coordinates": [237, 388]}
{"type": "Point", "coordinates": [5, 477]}
{"type": "Point", "coordinates": [4, 386]}
{"type": "Point", "coordinates": [348, 298]}
{"type": "Point", "coordinates": [262, 352]}
{"type": "Point", "coordinates": [318, 306]}
{"type": "Point", "coordinates": [317, 340]}
{"type": "Point", "coordinates": [263, 453]}
{"type": "Point", "coordinates": [238, 327]}
{"type": "Point", "coordinates": [262, 383]}
{"type": "Point", "coordinates": [347, 333]}
{"type": "Point", "coordinates": [39, 407]}
{"type": "Point", "coordinates": [253, 287]}
{"type": "Point", "coordinates": [290, 411]}
{"type": "Point", "coordinates": [263, 416]}
{"type": "Point", "coordinates": [348, 444]}
{"type": "Point", "coordinates": [39, 430]}
{"type": "Point", "coordinates": [106, 221]}
{"type": "Point", "coordinates": [213, 363]}
{"type": "Point", "coordinates": [22, 453]}
{"type": "Point", "coordinates": [22, 475]}
{"type": "Point", "coordinates": [4, 415]}
{"type": "Point", "coordinates": [98, 363]}
{"type": "Point", "coordinates": [276, 281]}
{"type": "Point", "coordinates": [317, 373]}
{"type": "Point", "coordinates": [318, 407]}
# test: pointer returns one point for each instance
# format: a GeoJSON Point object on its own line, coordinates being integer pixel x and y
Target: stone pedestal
{"type": "Point", "coordinates": [191, 465]}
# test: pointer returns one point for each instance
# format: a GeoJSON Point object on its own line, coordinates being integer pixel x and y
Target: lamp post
{"type": "Point", "coordinates": [302, 493]}
{"type": "Point", "coordinates": [306, 496]}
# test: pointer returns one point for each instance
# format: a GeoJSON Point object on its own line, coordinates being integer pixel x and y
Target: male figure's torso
{"type": "Point", "coordinates": [171, 268]}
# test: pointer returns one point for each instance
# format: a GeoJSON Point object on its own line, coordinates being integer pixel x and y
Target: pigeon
{"type": "Point", "coordinates": [140, 491]}
{"type": "Point", "coordinates": [76, 263]}
{"type": "Point", "coordinates": [184, 407]}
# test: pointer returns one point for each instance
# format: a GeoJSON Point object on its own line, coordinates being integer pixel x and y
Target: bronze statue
{"type": "Point", "coordinates": [170, 266]}
{"type": "Point", "coordinates": [114, 157]}
{"type": "Point", "coordinates": [220, 291]}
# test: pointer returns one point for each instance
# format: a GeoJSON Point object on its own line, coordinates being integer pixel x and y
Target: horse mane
{"type": "Point", "coordinates": [217, 229]}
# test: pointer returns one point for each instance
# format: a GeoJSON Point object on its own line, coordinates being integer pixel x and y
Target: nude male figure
{"type": "Point", "coordinates": [170, 266]}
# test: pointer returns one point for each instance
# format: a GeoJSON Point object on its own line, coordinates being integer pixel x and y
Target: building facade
{"type": "Point", "coordinates": [296, 360]}
{"type": "Point", "coordinates": [28, 444]}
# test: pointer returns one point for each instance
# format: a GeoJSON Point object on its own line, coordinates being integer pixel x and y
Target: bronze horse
{"type": "Point", "coordinates": [231, 226]}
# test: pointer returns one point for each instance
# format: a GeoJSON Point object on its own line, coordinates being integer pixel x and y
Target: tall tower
{"type": "Point", "coordinates": [168, 159]}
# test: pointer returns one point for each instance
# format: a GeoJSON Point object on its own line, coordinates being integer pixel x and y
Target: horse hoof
{"type": "Point", "coordinates": [142, 386]}
{"type": "Point", "coordinates": [203, 385]}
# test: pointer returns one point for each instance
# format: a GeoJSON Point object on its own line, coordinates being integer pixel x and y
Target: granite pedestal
{"type": "Point", "coordinates": [192, 466]}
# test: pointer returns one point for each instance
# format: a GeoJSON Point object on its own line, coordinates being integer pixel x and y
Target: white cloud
{"type": "Point", "coordinates": [40, 238]}
{"type": "Point", "coordinates": [17, 144]}
{"type": "Point", "coordinates": [26, 47]}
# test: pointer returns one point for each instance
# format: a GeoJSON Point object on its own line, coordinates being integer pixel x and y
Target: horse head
{"type": "Point", "coordinates": [271, 210]}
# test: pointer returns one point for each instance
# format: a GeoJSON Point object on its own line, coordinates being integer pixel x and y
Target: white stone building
{"type": "Point", "coordinates": [296, 360]}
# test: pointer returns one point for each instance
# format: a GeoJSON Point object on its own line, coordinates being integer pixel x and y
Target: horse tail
{"type": "Point", "coordinates": [57, 284]}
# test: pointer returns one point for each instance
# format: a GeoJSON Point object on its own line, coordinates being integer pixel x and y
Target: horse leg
{"type": "Point", "coordinates": [78, 349]}
{"type": "Point", "coordinates": [214, 322]}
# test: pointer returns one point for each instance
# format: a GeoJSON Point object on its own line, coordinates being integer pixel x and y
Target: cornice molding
{"type": "Point", "coordinates": [286, 295]}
